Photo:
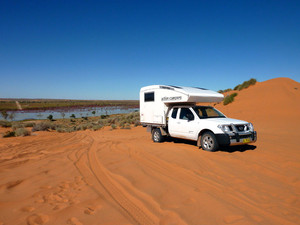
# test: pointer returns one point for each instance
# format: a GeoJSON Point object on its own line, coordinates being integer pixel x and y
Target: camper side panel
{"type": "Point", "coordinates": [151, 108]}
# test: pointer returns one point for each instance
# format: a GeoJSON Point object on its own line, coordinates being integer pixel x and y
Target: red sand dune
{"type": "Point", "coordinates": [122, 177]}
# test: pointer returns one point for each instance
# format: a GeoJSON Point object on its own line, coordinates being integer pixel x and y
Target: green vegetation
{"type": "Point", "coordinates": [245, 84]}
{"type": "Point", "coordinates": [18, 132]}
{"type": "Point", "coordinates": [5, 123]}
{"type": "Point", "coordinates": [123, 121]}
{"type": "Point", "coordinates": [230, 98]}
{"type": "Point", "coordinates": [50, 117]}
{"type": "Point", "coordinates": [10, 104]}
{"type": "Point", "coordinates": [226, 90]}
{"type": "Point", "coordinates": [4, 114]}
{"type": "Point", "coordinates": [22, 132]}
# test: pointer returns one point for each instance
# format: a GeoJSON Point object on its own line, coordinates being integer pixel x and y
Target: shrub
{"type": "Point", "coordinates": [113, 126]}
{"type": "Point", "coordinates": [97, 127]}
{"type": "Point", "coordinates": [22, 132]}
{"type": "Point", "coordinates": [226, 90]}
{"type": "Point", "coordinates": [4, 123]}
{"type": "Point", "coordinates": [126, 126]}
{"type": "Point", "coordinates": [245, 84]}
{"type": "Point", "coordinates": [16, 126]}
{"type": "Point", "coordinates": [73, 116]}
{"type": "Point", "coordinates": [230, 98]}
{"type": "Point", "coordinates": [29, 124]}
{"type": "Point", "coordinates": [50, 117]}
{"type": "Point", "coordinates": [43, 126]}
{"type": "Point", "coordinates": [104, 116]}
{"type": "Point", "coordinates": [9, 134]}
{"type": "Point", "coordinates": [4, 114]}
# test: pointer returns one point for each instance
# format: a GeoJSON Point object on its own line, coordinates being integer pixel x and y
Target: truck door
{"type": "Point", "coordinates": [184, 125]}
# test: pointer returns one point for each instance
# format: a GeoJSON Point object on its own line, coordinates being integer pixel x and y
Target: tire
{"type": "Point", "coordinates": [209, 142]}
{"type": "Point", "coordinates": [156, 135]}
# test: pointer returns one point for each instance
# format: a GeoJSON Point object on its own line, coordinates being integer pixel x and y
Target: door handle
{"type": "Point", "coordinates": [178, 122]}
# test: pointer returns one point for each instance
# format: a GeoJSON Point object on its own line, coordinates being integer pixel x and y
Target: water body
{"type": "Point", "coordinates": [66, 113]}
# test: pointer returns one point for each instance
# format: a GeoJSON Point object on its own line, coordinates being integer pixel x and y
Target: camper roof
{"type": "Point", "coordinates": [193, 94]}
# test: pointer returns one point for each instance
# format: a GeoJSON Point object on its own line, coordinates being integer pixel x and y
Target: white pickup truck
{"type": "Point", "coordinates": [172, 111]}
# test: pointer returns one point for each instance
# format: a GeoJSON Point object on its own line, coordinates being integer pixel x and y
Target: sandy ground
{"type": "Point", "coordinates": [122, 177]}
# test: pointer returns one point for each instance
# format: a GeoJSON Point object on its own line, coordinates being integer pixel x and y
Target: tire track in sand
{"type": "Point", "coordinates": [187, 177]}
{"type": "Point", "coordinates": [99, 178]}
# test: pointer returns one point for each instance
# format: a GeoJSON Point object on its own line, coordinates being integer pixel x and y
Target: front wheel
{"type": "Point", "coordinates": [209, 142]}
{"type": "Point", "coordinates": [156, 135]}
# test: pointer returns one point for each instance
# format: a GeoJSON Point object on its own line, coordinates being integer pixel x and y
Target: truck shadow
{"type": "Point", "coordinates": [229, 149]}
{"type": "Point", "coordinates": [237, 148]}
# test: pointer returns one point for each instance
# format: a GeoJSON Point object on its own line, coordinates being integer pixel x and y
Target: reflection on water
{"type": "Point", "coordinates": [63, 113]}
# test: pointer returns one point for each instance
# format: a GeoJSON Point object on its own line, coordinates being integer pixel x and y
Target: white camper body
{"type": "Point", "coordinates": [157, 100]}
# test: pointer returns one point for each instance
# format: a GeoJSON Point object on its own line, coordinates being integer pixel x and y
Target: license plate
{"type": "Point", "coordinates": [246, 140]}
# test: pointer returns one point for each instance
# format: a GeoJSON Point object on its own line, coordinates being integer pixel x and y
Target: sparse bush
{"type": "Point", "coordinates": [50, 117]}
{"type": "Point", "coordinates": [73, 116]}
{"type": "Point", "coordinates": [60, 130]}
{"type": "Point", "coordinates": [104, 116]}
{"type": "Point", "coordinates": [43, 126]}
{"type": "Point", "coordinates": [137, 123]}
{"type": "Point", "coordinates": [126, 126]}
{"type": "Point", "coordinates": [113, 126]}
{"type": "Point", "coordinates": [22, 132]}
{"type": "Point", "coordinates": [4, 114]}
{"type": "Point", "coordinates": [29, 124]}
{"type": "Point", "coordinates": [16, 125]}
{"type": "Point", "coordinates": [9, 134]}
{"type": "Point", "coordinates": [226, 90]}
{"type": "Point", "coordinates": [97, 127]}
{"type": "Point", "coordinates": [4, 123]}
{"type": "Point", "coordinates": [245, 84]}
{"type": "Point", "coordinates": [230, 98]}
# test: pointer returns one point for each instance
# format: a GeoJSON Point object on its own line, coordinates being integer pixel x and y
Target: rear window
{"type": "Point", "coordinates": [174, 113]}
{"type": "Point", "coordinates": [149, 97]}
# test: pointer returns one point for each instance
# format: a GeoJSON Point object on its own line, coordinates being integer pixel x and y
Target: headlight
{"type": "Point", "coordinates": [225, 128]}
{"type": "Point", "coordinates": [251, 128]}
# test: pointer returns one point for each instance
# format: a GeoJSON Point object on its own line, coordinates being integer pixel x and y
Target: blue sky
{"type": "Point", "coordinates": [110, 49]}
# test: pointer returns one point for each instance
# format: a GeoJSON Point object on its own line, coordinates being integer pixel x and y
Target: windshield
{"type": "Point", "coordinates": [205, 112]}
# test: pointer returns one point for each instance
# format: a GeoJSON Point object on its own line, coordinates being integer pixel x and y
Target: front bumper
{"type": "Point", "coordinates": [236, 138]}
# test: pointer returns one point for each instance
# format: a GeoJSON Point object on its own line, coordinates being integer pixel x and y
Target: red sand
{"type": "Point", "coordinates": [122, 177]}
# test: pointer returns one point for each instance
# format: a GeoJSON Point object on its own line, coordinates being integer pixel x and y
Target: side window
{"type": "Point", "coordinates": [174, 113]}
{"type": "Point", "coordinates": [149, 97]}
{"type": "Point", "coordinates": [186, 114]}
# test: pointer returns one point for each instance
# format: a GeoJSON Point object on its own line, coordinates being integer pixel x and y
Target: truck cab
{"type": "Point", "coordinates": [208, 126]}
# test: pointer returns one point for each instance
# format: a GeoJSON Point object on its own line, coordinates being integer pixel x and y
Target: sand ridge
{"type": "Point", "coordinates": [122, 177]}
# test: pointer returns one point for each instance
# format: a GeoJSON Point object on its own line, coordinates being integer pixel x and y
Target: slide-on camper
{"type": "Point", "coordinates": [172, 111]}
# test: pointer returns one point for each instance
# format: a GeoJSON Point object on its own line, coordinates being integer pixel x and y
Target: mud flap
{"type": "Point", "coordinates": [199, 141]}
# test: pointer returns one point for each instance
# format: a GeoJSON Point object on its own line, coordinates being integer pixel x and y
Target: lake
{"type": "Point", "coordinates": [66, 113]}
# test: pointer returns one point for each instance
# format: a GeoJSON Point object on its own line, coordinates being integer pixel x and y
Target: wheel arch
{"type": "Point", "coordinates": [201, 133]}
{"type": "Point", "coordinates": [205, 130]}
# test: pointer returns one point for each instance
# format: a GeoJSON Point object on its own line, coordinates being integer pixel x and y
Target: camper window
{"type": "Point", "coordinates": [149, 97]}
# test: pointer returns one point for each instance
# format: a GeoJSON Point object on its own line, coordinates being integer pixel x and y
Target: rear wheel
{"type": "Point", "coordinates": [156, 135]}
{"type": "Point", "coordinates": [209, 142]}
